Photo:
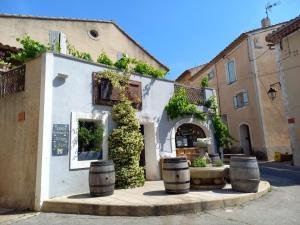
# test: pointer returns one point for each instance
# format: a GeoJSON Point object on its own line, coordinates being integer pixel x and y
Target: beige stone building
{"type": "Point", "coordinates": [287, 43]}
{"type": "Point", "coordinates": [92, 36]}
{"type": "Point", "coordinates": [242, 74]}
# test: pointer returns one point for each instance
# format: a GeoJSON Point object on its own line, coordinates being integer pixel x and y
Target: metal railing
{"type": "Point", "coordinates": [12, 81]}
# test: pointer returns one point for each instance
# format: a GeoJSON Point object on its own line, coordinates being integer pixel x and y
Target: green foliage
{"type": "Point", "coordinates": [125, 141]}
{"type": "Point", "coordinates": [130, 176]}
{"type": "Point", "coordinates": [223, 137]}
{"type": "Point", "coordinates": [30, 49]}
{"type": "Point", "coordinates": [90, 136]}
{"type": "Point", "coordinates": [124, 113]}
{"type": "Point", "coordinates": [81, 55]}
{"type": "Point", "coordinates": [179, 106]}
{"type": "Point", "coordinates": [212, 104]}
{"type": "Point", "coordinates": [199, 162]}
{"type": "Point", "coordinates": [123, 63]}
{"type": "Point", "coordinates": [104, 59]}
{"type": "Point", "coordinates": [145, 69]}
{"type": "Point", "coordinates": [204, 82]}
{"type": "Point", "coordinates": [139, 67]}
{"type": "Point", "coordinates": [218, 163]}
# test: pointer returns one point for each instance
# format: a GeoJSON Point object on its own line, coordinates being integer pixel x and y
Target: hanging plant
{"type": "Point", "coordinates": [179, 106]}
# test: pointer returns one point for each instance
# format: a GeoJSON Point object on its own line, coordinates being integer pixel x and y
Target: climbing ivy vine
{"type": "Point", "coordinates": [125, 141]}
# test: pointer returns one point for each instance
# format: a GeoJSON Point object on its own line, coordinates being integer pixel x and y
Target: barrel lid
{"type": "Point", "coordinates": [175, 159]}
{"type": "Point", "coordinates": [242, 158]}
{"type": "Point", "coordinates": [102, 163]}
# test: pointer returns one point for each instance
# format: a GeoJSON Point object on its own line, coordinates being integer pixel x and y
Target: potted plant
{"type": "Point", "coordinates": [207, 176]}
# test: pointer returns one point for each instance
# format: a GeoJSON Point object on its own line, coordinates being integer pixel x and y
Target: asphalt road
{"type": "Point", "coordinates": [281, 206]}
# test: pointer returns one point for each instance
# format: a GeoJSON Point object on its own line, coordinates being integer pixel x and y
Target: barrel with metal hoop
{"type": "Point", "coordinates": [176, 175]}
{"type": "Point", "coordinates": [244, 174]}
{"type": "Point", "coordinates": [102, 178]}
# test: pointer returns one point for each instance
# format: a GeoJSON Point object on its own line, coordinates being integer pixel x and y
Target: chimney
{"type": "Point", "coordinates": [265, 22]}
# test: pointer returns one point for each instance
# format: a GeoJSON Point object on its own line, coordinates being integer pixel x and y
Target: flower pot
{"type": "Point", "coordinates": [208, 177]}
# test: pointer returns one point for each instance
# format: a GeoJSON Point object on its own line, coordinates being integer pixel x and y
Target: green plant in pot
{"type": "Point", "coordinates": [218, 163]}
{"type": "Point", "coordinates": [199, 162]}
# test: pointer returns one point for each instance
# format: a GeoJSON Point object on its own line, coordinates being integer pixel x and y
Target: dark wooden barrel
{"type": "Point", "coordinates": [102, 178]}
{"type": "Point", "coordinates": [176, 175]}
{"type": "Point", "coordinates": [244, 174]}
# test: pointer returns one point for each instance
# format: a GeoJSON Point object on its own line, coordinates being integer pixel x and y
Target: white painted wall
{"type": "Point", "coordinates": [74, 94]}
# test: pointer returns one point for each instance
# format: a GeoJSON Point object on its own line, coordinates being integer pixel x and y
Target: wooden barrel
{"type": "Point", "coordinates": [102, 178]}
{"type": "Point", "coordinates": [176, 175]}
{"type": "Point", "coordinates": [244, 174]}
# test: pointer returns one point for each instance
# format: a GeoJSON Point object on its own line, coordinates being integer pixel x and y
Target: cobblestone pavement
{"type": "Point", "coordinates": [281, 206]}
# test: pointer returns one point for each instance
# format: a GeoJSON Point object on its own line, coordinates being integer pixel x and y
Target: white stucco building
{"type": "Point", "coordinates": [42, 108]}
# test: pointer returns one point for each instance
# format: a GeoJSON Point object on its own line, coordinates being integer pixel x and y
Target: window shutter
{"type": "Point", "coordinates": [60, 38]}
{"type": "Point", "coordinates": [231, 72]}
{"type": "Point", "coordinates": [245, 98]}
{"type": "Point", "coordinates": [53, 38]}
{"type": "Point", "coordinates": [134, 93]}
{"type": "Point", "coordinates": [235, 103]}
{"type": "Point", "coordinates": [96, 94]}
{"type": "Point", "coordinates": [63, 43]}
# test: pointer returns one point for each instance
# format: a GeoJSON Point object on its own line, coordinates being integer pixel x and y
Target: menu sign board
{"type": "Point", "coordinates": [60, 139]}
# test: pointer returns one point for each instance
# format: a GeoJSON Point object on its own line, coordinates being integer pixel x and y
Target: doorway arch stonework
{"type": "Point", "coordinates": [205, 126]}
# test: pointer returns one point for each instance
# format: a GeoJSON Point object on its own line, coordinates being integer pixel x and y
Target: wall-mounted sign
{"type": "Point", "coordinates": [60, 139]}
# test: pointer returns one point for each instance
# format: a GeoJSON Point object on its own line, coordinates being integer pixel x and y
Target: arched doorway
{"type": "Point", "coordinates": [187, 134]}
{"type": "Point", "coordinates": [245, 139]}
{"type": "Point", "coordinates": [186, 137]}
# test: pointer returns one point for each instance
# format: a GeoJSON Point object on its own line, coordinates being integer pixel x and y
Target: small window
{"type": "Point", "coordinates": [94, 34]}
{"type": "Point", "coordinates": [105, 94]}
{"type": "Point", "coordinates": [240, 100]}
{"type": "Point", "coordinates": [224, 118]}
{"type": "Point", "coordinates": [211, 75]}
{"type": "Point", "coordinates": [231, 77]}
{"type": "Point", "coordinates": [106, 89]}
{"type": "Point", "coordinates": [90, 136]}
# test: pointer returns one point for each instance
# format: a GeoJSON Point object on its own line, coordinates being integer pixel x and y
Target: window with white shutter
{"type": "Point", "coordinates": [240, 99]}
{"type": "Point", "coordinates": [231, 72]}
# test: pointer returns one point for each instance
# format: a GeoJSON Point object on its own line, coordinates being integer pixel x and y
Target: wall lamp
{"type": "Point", "coordinates": [272, 91]}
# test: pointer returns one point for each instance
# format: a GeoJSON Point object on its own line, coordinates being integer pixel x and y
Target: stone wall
{"type": "Point", "coordinates": [19, 139]}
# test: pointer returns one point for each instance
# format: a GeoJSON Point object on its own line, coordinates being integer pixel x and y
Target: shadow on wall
{"type": "Point", "coordinates": [57, 82]}
{"type": "Point", "coordinates": [164, 131]}
{"type": "Point", "coordinates": [147, 88]}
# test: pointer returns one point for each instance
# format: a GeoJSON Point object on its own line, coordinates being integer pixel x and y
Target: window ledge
{"type": "Point", "coordinates": [75, 163]}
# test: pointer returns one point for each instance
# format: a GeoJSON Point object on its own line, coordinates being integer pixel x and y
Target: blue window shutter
{"type": "Point", "coordinates": [245, 98]}
{"type": "Point", "coordinates": [235, 104]}
{"type": "Point", "coordinates": [231, 72]}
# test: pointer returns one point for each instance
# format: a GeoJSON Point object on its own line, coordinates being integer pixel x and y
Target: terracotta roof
{"type": "Point", "coordinates": [9, 48]}
{"type": "Point", "coordinates": [231, 46]}
{"type": "Point", "coordinates": [284, 30]}
{"type": "Point", "coordinates": [84, 20]}
{"type": "Point", "coordinates": [190, 72]}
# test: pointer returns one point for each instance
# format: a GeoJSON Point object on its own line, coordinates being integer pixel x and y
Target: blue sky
{"type": "Point", "coordinates": [181, 34]}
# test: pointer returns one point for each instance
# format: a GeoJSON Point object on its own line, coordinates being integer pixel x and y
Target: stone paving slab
{"type": "Point", "coordinates": [151, 200]}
